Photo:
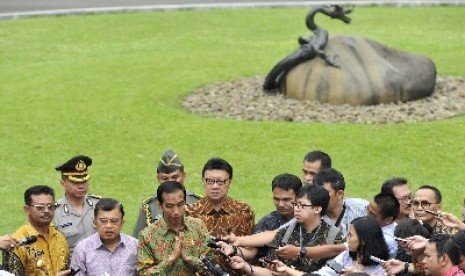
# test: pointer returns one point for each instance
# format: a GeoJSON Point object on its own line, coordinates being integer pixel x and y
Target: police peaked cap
{"type": "Point", "coordinates": [76, 169]}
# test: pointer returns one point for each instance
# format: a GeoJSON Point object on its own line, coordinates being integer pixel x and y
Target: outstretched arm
{"type": "Point", "coordinates": [320, 251]}
{"type": "Point", "coordinates": [240, 264]}
{"type": "Point", "coordinates": [8, 242]}
{"type": "Point", "coordinates": [255, 240]}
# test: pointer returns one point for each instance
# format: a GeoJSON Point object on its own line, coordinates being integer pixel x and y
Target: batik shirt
{"type": "Point", "coordinates": [233, 217]}
{"type": "Point", "coordinates": [156, 244]}
{"type": "Point", "coordinates": [45, 256]}
{"type": "Point", "coordinates": [440, 228]}
{"type": "Point", "coordinates": [270, 222]}
{"type": "Point", "coordinates": [301, 238]}
{"type": "Point", "coordinates": [93, 258]}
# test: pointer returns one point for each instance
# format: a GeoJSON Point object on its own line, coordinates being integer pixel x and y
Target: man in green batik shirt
{"type": "Point", "coordinates": [174, 244]}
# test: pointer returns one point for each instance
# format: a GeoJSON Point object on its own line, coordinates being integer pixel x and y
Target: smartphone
{"type": "Point", "coordinates": [436, 214]}
{"type": "Point", "coordinates": [376, 259]}
{"type": "Point", "coordinates": [400, 239]}
{"type": "Point", "coordinates": [337, 267]}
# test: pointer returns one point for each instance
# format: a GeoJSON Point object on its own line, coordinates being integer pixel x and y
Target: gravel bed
{"type": "Point", "coordinates": [244, 99]}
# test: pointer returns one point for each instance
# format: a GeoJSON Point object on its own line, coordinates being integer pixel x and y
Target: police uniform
{"type": "Point", "coordinates": [73, 225]}
{"type": "Point", "coordinates": [149, 211]}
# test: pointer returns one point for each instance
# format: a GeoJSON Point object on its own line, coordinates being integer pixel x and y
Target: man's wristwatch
{"type": "Point", "coordinates": [303, 252]}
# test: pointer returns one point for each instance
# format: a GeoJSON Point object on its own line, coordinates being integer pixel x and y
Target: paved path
{"type": "Point", "coordinates": [20, 8]}
{"type": "Point", "coordinates": [10, 6]}
{"type": "Point", "coordinates": [10, 9]}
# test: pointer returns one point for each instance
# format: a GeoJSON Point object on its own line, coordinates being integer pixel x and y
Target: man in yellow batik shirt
{"type": "Point", "coordinates": [50, 253]}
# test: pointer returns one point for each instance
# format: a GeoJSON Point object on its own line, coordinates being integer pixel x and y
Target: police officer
{"type": "Point", "coordinates": [75, 212]}
{"type": "Point", "coordinates": [170, 168]}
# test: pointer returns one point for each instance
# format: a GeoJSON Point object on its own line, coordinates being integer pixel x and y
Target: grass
{"type": "Point", "coordinates": [110, 86]}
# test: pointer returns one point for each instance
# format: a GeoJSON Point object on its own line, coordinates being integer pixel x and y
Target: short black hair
{"type": "Point", "coordinates": [287, 182]}
{"type": "Point", "coordinates": [371, 240]}
{"type": "Point", "coordinates": [317, 155]}
{"type": "Point", "coordinates": [389, 184]}
{"type": "Point", "coordinates": [317, 195]}
{"type": "Point", "coordinates": [459, 238]}
{"type": "Point", "coordinates": [408, 227]}
{"type": "Point", "coordinates": [445, 245]}
{"type": "Point", "coordinates": [435, 190]}
{"type": "Point", "coordinates": [388, 204]}
{"type": "Point", "coordinates": [334, 177]}
{"type": "Point", "coordinates": [217, 163]}
{"type": "Point", "coordinates": [169, 187]}
{"type": "Point", "coordinates": [37, 190]}
{"type": "Point", "coordinates": [108, 204]}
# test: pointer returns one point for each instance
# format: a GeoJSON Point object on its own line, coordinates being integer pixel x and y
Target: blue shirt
{"type": "Point", "coordinates": [388, 233]}
{"type": "Point", "coordinates": [354, 208]}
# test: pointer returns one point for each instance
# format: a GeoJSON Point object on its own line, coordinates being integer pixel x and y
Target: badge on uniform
{"type": "Point", "coordinates": [66, 224]}
{"type": "Point", "coordinates": [91, 204]}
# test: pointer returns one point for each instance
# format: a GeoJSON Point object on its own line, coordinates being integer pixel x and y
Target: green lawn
{"type": "Point", "coordinates": [110, 86]}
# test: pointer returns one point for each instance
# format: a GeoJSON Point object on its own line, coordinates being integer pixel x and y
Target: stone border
{"type": "Point", "coordinates": [244, 99]}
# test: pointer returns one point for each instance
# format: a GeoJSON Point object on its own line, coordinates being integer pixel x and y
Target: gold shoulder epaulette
{"type": "Point", "coordinates": [146, 208]}
{"type": "Point", "coordinates": [148, 199]}
{"type": "Point", "coordinates": [95, 196]}
{"type": "Point", "coordinates": [197, 195]}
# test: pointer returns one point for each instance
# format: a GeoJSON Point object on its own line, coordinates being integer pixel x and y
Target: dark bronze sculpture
{"type": "Point", "coordinates": [310, 47]}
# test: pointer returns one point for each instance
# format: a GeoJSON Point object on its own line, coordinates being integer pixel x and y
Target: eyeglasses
{"type": "Point", "coordinates": [41, 207]}
{"type": "Point", "coordinates": [424, 204]}
{"type": "Point", "coordinates": [300, 205]}
{"type": "Point", "coordinates": [405, 199]}
{"type": "Point", "coordinates": [113, 221]}
{"type": "Point", "coordinates": [220, 182]}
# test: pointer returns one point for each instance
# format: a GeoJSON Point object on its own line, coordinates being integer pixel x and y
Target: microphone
{"type": "Point", "coordinates": [29, 240]}
{"type": "Point", "coordinates": [213, 268]}
{"type": "Point", "coordinates": [26, 241]}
